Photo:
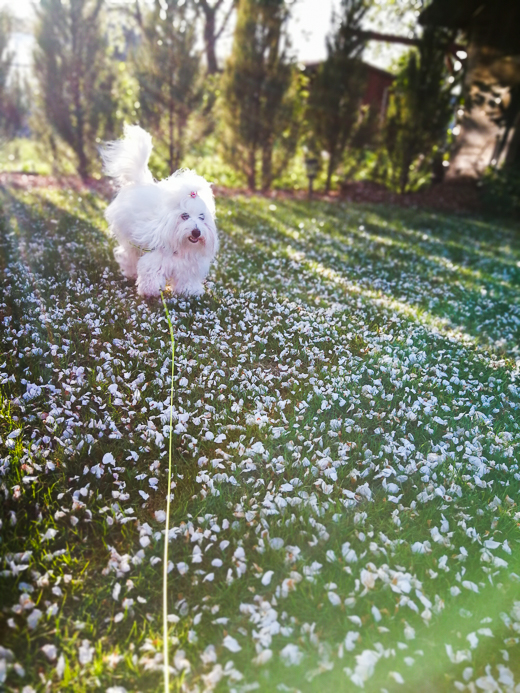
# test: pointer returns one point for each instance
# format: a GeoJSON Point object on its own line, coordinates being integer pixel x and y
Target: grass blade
{"type": "Point", "coordinates": [167, 528]}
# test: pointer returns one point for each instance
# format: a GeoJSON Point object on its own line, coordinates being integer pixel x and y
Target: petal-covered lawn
{"type": "Point", "coordinates": [346, 454]}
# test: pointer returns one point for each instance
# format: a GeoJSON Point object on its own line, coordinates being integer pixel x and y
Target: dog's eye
{"type": "Point", "coordinates": [185, 216]}
{"type": "Point", "coordinates": [201, 216]}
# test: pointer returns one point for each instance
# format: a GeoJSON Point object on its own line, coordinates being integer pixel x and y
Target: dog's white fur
{"type": "Point", "coordinates": [166, 229]}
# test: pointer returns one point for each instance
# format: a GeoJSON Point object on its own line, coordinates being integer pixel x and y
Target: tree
{"type": "Point", "coordinates": [75, 75]}
{"type": "Point", "coordinates": [490, 23]}
{"type": "Point", "coordinates": [421, 105]}
{"type": "Point", "coordinates": [336, 89]}
{"type": "Point", "coordinates": [168, 71]}
{"type": "Point", "coordinates": [6, 61]}
{"type": "Point", "coordinates": [211, 33]}
{"type": "Point", "coordinates": [259, 90]}
{"type": "Point", "coordinates": [13, 92]}
{"type": "Point", "coordinates": [512, 123]}
{"type": "Point", "coordinates": [493, 44]}
{"type": "Point", "coordinates": [502, 107]}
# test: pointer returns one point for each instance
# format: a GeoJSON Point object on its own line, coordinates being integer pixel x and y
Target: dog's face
{"type": "Point", "coordinates": [195, 227]}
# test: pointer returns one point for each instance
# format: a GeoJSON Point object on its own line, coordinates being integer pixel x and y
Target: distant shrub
{"type": "Point", "coordinates": [421, 105]}
{"type": "Point", "coordinates": [501, 191]}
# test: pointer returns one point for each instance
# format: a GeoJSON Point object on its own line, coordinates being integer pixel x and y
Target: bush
{"type": "Point", "coordinates": [420, 108]}
{"type": "Point", "coordinates": [501, 191]}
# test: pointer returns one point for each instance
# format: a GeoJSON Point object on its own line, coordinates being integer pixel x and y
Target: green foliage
{"type": "Point", "coordinates": [420, 108]}
{"type": "Point", "coordinates": [501, 191]}
{"type": "Point", "coordinates": [206, 159]}
{"type": "Point", "coordinates": [261, 93]}
{"type": "Point", "coordinates": [211, 32]}
{"type": "Point", "coordinates": [6, 59]}
{"type": "Point", "coordinates": [24, 154]}
{"type": "Point", "coordinates": [167, 68]}
{"type": "Point", "coordinates": [13, 90]}
{"type": "Point", "coordinates": [16, 107]}
{"type": "Point", "coordinates": [336, 89]}
{"type": "Point", "coordinates": [286, 131]}
{"type": "Point", "coordinates": [76, 77]}
{"type": "Point", "coordinates": [491, 23]}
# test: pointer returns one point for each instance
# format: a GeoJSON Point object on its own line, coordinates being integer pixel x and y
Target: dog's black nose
{"type": "Point", "coordinates": [195, 233]}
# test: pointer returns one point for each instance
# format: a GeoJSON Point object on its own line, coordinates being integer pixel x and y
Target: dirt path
{"type": "Point", "coordinates": [453, 196]}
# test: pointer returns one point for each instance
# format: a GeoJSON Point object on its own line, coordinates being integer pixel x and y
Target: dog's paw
{"type": "Point", "coordinates": [147, 291]}
{"type": "Point", "coordinates": [192, 290]}
{"type": "Point", "coordinates": [196, 291]}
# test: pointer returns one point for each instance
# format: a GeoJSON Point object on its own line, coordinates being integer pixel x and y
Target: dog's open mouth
{"type": "Point", "coordinates": [193, 240]}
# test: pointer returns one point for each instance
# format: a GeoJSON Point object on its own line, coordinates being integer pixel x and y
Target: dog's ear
{"type": "Point", "coordinates": [187, 183]}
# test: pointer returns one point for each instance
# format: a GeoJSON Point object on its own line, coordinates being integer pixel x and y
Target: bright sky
{"type": "Point", "coordinates": [20, 8]}
{"type": "Point", "coordinates": [309, 24]}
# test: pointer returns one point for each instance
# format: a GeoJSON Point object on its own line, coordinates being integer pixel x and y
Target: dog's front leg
{"type": "Point", "coordinates": [127, 259]}
{"type": "Point", "coordinates": [187, 284]}
{"type": "Point", "coordinates": [191, 288]}
{"type": "Point", "coordinates": [151, 275]}
{"type": "Point", "coordinates": [188, 276]}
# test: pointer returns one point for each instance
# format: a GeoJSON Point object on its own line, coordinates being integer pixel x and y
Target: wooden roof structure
{"type": "Point", "coordinates": [491, 23]}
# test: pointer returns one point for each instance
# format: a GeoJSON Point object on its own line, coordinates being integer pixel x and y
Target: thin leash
{"type": "Point", "coordinates": [167, 528]}
{"type": "Point", "coordinates": [142, 250]}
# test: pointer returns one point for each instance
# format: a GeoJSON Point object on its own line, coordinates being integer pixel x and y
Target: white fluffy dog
{"type": "Point", "coordinates": [166, 229]}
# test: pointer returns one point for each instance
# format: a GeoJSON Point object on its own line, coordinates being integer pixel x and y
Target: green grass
{"type": "Point", "coordinates": [361, 362]}
{"type": "Point", "coordinates": [29, 156]}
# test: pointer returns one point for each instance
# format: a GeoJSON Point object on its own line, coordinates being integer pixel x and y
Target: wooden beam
{"type": "Point", "coordinates": [388, 38]}
{"type": "Point", "coordinates": [392, 38]}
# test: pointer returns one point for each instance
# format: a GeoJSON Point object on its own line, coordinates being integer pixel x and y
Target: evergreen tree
{"type": "Point", "coordinates": [168, 72]}
{"type": "Point", "coordinates": [75, 75]}
{"type": "Point", "coordinates": [337, 87]}
{"type": "Point", "coordinates": [260, 95]}
{"type": "Point", "coordinates": [420, 107]}
{"type": "Point", "coordinates": [6, 60]}
{"type": "Point", "coordinates": [13, 91]}
{"type": "Point", "coordinates": [211, 33]}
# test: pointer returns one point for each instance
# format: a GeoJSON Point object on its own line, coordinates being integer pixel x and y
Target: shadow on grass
{"type": "Point", "coordinates": [450, 284]}
{"type": "Point", "coordinates": [91, 602]}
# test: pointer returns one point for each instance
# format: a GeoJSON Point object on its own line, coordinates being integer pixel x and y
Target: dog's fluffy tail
{"type": "Point", "coordinates": [126, 160]}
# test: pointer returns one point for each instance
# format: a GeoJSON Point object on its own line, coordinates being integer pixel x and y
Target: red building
{"type": "Point", "coordinates": [377, 85]}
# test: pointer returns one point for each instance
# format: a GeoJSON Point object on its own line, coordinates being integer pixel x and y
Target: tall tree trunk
{"type": "Point", "coordinates": [211, 34]}
{"type": "Point", "coordinates": [79, 135]}
{"type": "Point", "coordinates": [171, 154]}
{"type": "Point", "coordinates": [179, 151]}
{"type": "Point", "coordinates": [83, 167]}
{"type": "Point", "coordinates": [405, 173]}
{"type": "Point", "coordinates": [513, 151]}
{"type": "Point", "coordinates": [330, 170]}
{"type": "Point", "coordinates": [54, 150]}
{"type": "Point", "coordinates": [267, 166]}
{"type": "Point", "coordinates": [251, 174]}
{"type": "Point", "coordinates": [210, 39]}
